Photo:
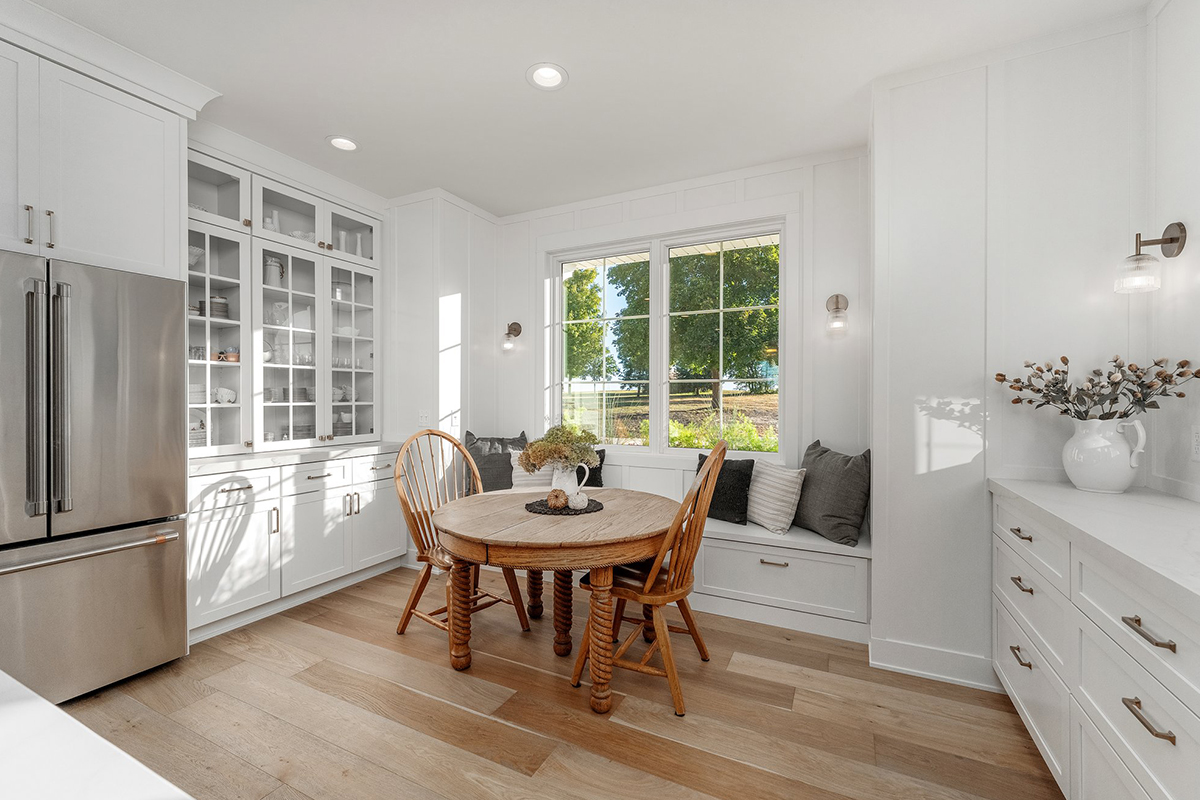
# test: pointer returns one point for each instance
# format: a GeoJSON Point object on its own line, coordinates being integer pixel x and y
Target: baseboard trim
{"type": "Point", "coordinates": [923, 661]}
{"type": "Point", "coordinates": [292, 600]}
{"type": "Point", "coordinates": [782, 617]}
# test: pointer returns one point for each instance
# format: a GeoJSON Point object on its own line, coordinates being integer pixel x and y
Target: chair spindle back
{"type": "Point", "coordinates": [432, 468]}
{"type": "Point", "coordinates": [687, 529]}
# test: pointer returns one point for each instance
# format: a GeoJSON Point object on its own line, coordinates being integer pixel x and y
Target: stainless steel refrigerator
{"type": "Point", "coordinates": [93, 474]}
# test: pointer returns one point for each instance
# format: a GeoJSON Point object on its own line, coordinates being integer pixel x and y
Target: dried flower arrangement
{"type": "Point", "coordinates": [563, 446]}
{"type": "Point", "coordinates": [1118, 391]}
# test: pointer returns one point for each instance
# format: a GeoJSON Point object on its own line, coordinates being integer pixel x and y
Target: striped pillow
{"type": "Point", "coordinates": [523, 481]}
{"type": "Point", "coordinates": [774, 494]}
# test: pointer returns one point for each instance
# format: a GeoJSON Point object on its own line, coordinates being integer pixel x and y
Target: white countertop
{"type": "Point", "coordinates": [217, 465]}
{"type": "Point", "coordinates": [46, 753]}
{"type": "Point", "coordinates": [1143, 533]}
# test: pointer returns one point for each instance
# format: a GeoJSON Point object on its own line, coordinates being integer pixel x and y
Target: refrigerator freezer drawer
{"type": "Point", "coordinates": [82, 613]}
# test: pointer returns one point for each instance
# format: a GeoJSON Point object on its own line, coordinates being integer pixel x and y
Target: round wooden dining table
{"type": "Point", "coordinates": [494, 528]}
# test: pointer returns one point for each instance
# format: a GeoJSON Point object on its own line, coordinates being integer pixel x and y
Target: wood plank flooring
{"type": "Point", "coordinates": [326, 701]}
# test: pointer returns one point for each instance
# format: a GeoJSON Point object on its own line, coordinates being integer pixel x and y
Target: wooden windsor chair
{"type": "Point", "coordinates": [658, 582]}
{"type": "Point", "coordinates": [433, 468]}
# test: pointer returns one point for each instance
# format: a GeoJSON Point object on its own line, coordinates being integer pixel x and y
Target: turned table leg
{"type": "Point", "coordinates": [460, 614]}
{"type": "Point", "coordinates": [533, 587]}
{"type": "Point", "coordinates": [562, 612]}
{"type": "Point", "coordinates": [600, 625]}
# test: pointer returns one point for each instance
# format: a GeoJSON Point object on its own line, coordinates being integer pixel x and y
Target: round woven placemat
{"type": "Point", "coordinates": [542, 507]}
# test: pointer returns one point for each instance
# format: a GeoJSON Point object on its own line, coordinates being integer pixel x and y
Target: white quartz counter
{"type": "Point", "coordinates": [221, 464]}
{"type": "Point", "coordinates": [45, 753]}
{"type": "Point", "coordinates": [1141, 533]}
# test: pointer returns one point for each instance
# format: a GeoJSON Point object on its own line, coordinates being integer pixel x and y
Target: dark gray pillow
{"type": "Point", "coordinates": [833, 501]}
{"type": "Point", "coordinates": [595, 476]}
{"type": "Point", "coordinates": [731, 496]}
{"type": "Point", "coordinates": [495, 469]}
{"type": "Point", "coordinates": [481, 446]}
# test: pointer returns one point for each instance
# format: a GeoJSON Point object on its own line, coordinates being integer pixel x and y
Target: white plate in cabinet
{"type": "Point", "coordinates": [833, 586]}
{"type": "Point", "coordinates": [1096, 772]}
{"type": "Point", "coordinates": [316, 477]}
{"type": "Point", "coordinates": [1048, 552]}
{"type": "Point", "coordinates": [1039, 695]}
{"type": "Point", "coordinates": [1043, 612]}
{"type": "Point", "coordinates": [1158, 637]}
{"type": "Point", "coordinates": [1152, 732]}
{"type": "Point", "coordinates": [233, 561]}
{"type": "Point", "coordinates": [316, 538]}
{"type": "Point", "coordinates": [368, 469]}
{"type": "Point", "coordinates": [253, 487]}
{"type": "Point", "coordinates": [376, 530]}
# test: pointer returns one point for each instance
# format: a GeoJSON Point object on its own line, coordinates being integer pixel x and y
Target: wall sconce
{"type": "Point", "coordinates": [1141, 272]}
{"type": "Point", "coordinates": [510, 335]}
{"type": "Point", "coordinates": [835, 323]}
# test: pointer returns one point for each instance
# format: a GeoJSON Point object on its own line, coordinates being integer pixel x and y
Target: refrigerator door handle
{"type": "Point", "coordinates": [159, 538]}
{"type": "Point", "coordinates": [36, 504]}
{"type": "Point", "coordinates": [60, 376]}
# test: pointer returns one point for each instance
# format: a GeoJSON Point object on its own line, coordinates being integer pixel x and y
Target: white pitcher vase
{"type": "Point", "coordinates": [1099, 458]}
{"type": "Point", "coordinates": [567, 479]}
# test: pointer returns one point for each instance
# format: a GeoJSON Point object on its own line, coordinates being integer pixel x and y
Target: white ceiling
{"type": "Point", "coordinates": [434, 91]}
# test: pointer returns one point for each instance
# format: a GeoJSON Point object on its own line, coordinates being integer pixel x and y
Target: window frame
{"type": "Point", "coordinates": [659, 247]}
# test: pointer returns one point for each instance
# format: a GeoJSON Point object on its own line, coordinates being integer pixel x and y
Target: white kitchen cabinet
{"type": "Point", "coordinates": [233, 560]}
{"type": "Point", "coordinates": [288, 216]}
{"type": "Point", "coordinates": [376, 529]}
{"type": "Point", "coordinates": [218, 193]}
{"type": "Point", "coordinates": [19, 201]}
{"type": "Point", "coordinates": [110, 171]}
{"type": "Point", "coordinates": [350, 331]}
{"type": "Point", "coordinates": [350, 235]}
{"type": "Point", "coordinates": [316, 538]}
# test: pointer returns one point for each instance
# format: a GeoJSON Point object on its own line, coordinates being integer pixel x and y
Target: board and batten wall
{"type": "Point", "coordinates": [1006, 190]}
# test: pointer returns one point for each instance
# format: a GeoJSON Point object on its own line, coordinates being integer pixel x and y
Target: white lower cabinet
{"type": "Point", "coordinates": [377, 531]}
{"type": "Point", "coordinates": [316, 538]}
{"type": "Point", "coordinates": [233, 561]}
{"type": "Point", "coordinates": [1096, 771]}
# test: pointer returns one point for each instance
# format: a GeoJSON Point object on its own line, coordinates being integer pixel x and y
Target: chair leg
{"type": "Point", "coordinates": [514, 594]}
{"type": "Point", "coordinates": [414, 597]}
{"type": "Point", "coordinates": [689, 619]}
{"type": "Point", "coordinates": [648, 628]}
{"type": "Point", "coordinates": [617, 619]}
{"type": "Point", "coordinates": [581, 659]}
{"type": "Point", "coordinates": [664, 646]}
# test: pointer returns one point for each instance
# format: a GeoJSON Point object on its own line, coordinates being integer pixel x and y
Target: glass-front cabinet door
{"type": "Point", "coordinates": [287, 346]}
{"type": "Point", "coordinates": [218, 193]}
{"type": "Point", "coordinates": [289, 216]}
{"type": "Point", "coordinates": [219, 335]}
{"type": "Point", "coordinates": [351, 236]}
{"type": "Point", "coordinates": [353, 333]}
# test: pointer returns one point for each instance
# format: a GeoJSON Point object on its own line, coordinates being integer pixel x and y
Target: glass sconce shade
{"type": "Point", "coordinates": [1138, 273]}
{"type": "Point", "coordinates": [837, 320]}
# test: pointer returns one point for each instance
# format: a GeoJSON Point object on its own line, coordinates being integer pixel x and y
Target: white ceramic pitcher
{"type": "Point", "coordinates": [1098, 458]}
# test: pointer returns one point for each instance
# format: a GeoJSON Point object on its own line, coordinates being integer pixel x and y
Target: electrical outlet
{"type": "Point", "coordinates": [422, 417]}
{"type": "Point", "coordinates": [1196, 443]}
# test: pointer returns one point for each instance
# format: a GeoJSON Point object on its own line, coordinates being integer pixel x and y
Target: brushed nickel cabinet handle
{"type": "Point", "coordinates": [1017, 533]}
{"type": "Point", "coordinates": [357, 503]}
{"type": "Point", "coordinates": [28, 224]}
{"type": "Point", "coordinates": [247, 223]}
{"type": "Point", "coordinates": [773, 563]}
{"type": "Point", "coordinates": [318, 477]}
{"type": "Point", "coordinates": [277, 521]}
{"type": "Point", "coordinates": [236, 489]}
{"type": "Point", "coordinates": [50, 214]}
{"type": "Point", "coordinates": [1016, 651]}
{"type": "Point", "coordinates": [1016, 579]}
{"type": "Point", "coordinates": [321, 245]}
{"type": "Point", "coordinates": [1135, 622]}
{"type": "Point", "coordinates": [1134, 705]}
{"type": "Point", "coordinates": [247, 444]}
{"type": "Point", "coordinates": [385, 466]}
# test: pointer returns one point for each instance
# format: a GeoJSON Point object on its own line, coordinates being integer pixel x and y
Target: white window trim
{"type": "Point", "coordinates": [659, 247]}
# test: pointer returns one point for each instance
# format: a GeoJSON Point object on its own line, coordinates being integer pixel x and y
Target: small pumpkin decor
{"type": "Point", "coordinates": [563, 448]}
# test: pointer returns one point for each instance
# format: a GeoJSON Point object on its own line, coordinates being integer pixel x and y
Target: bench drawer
{"type": "Point", "coordinates": [1046, 551]}
{"type": "Point", "coordinates": [1136, 619]}
{"type": "Point", "coordinates": [1041, 610]}
{"type": "Point", "coordinates": [1151, 731]}
{"type": "Point", "coordinates": [239, 488]}
{"type": "Point", "coordinates": [368, 469]}
{"type": "Point", "coordinates": [816, 583]}
{"type": "Point", "coordinates": [317, 477]}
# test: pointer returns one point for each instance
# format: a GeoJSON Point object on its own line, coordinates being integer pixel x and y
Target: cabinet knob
{"type": "Point", "coordinates": [247, 444]}
{"type": "Point", "coordinates": [247, 223]}
{"type": "Point", "coordinates": [321, 245]}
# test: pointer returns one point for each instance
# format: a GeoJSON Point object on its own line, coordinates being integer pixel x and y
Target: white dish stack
{"type": "Point", "coordinates": [197, 394]}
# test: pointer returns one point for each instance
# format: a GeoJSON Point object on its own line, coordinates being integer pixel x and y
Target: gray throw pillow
{"type": "Point", "coordinates": [490, 454]}
{"type": "Point", "coordinates": [483, 445]}
{"type": "Point", "coordinates": [836, 490]}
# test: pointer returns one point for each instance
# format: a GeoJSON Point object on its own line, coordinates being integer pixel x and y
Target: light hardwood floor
{"type": "Point", "coordinates": [326, 701]}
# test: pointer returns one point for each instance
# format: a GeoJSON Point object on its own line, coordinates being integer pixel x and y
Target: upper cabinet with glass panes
{"type": "Point", "coordinates": [298, 219]}
{"type": "Point", "coordinates": [218, 193]}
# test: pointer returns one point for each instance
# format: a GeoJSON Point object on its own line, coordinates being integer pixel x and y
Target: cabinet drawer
{"type": "Point", "coordinates": [1096, 771]}
{"type": "Point", "coordinates": [234, 489]}
{"type": "Point", "coordinates": [305, 478]}
{"type": "Point", "coordinates": [369, 469]}
{"type": "Point", "coordinates": [1042, 611]}
{"type": "Point", "coordinates": [1134, 617]}
{"type": "Point", "coordinates": [817, 583]}
{"type": "Point", "coordinates": [1047, 552]}
{"type": "Point", "coordinates": [1039, 696]}
{"type": "Point", "coordinates": [1129, 706]}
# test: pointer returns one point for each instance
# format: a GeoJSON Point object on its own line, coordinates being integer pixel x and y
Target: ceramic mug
{"type": "Point", "coordinates": [346, 416]}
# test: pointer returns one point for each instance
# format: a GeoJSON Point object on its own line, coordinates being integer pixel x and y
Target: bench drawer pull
{"type": "Point", "coordinates": [1016, 651]}
{"type": "Point", "coordinates": [773, 563]}
{"type": "Point", "coordinates": [1016, 579]}
{"type": "Point", "coordinates": [1135, 622]}
{"type": "Point", "coordinates": [1025, 537]}
{"type": "Point", "coordinates": [1134, 705]}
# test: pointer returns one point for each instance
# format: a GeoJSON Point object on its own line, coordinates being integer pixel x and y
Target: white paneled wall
{"type": "Point", "coordinates": [1006, 187]}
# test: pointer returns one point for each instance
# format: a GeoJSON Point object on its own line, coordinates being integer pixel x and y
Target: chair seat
{"type": "Point", "coordinates": [439, 557]}
{"type": "Point", "coordinates": [632, 578]}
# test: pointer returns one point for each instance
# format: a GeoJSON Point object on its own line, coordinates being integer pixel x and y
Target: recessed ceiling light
{"type": "Point", "coordinates": [342, 143]}
{"type": "Point", "coordinates": [546, 76]}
